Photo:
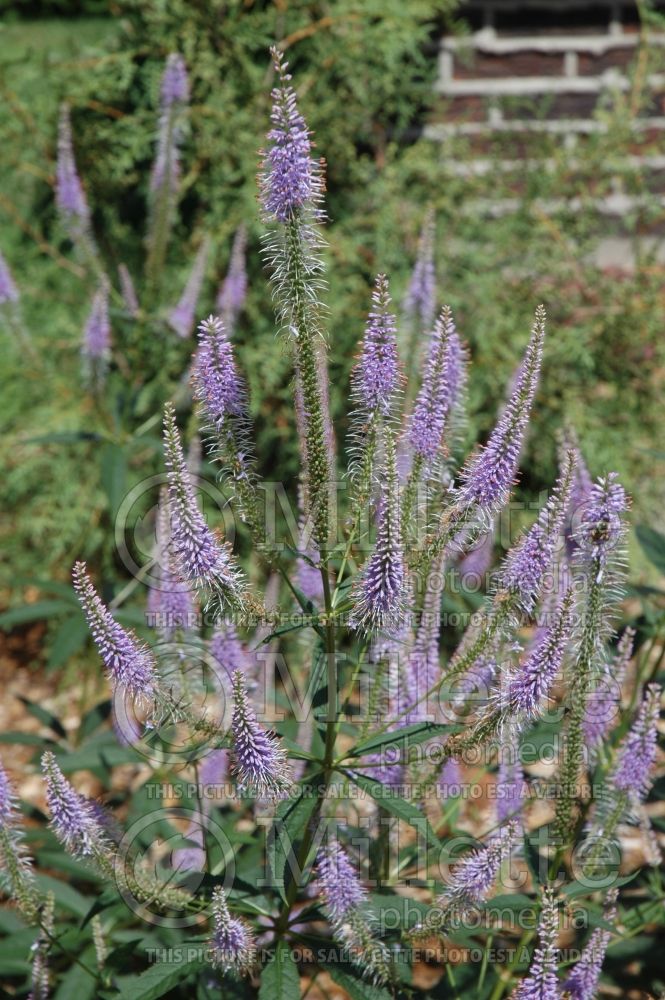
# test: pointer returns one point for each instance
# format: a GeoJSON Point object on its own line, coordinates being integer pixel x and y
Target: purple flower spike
{"type": "Point", "coordinates": [541, 982]}
{"type": "Point", "coordinates": [602, 709]}
{"type": "Point", "coordinates": [600, 531]}
{"type": "Point", "coordinates": [339, 884]}
{"type": "Point", "coordinates": [170, 602]}
{"type": "Point", "coordinates": [228, 653]}
{"type": "Point", "coordinates": [526, 565]}
{"type": "Point", "coordinates": [582, 980]}
{"type": "Point", "coordinates": [474, 876]}
{"type": "Point", "coordinates": [291, 177]}
{"type": "Point", "coordinates": [376, 377]}
{"type": "Point", "coordinates": [233, 292]}
{"type": "Point", "coordinates": [217, 384]}
{"type": "Point", "coordinates": [70, 196]}
{"type": "Point", "coordinates": [72, 816]}
{"type": "Point", "coordinates": [441, 384]}
{"type": "Point", "coordinates": [380, 591]}
{"type": "Point", "coordinates": [129, 664]}
{"type": "Point", "coordinates": [15, 862]}
{"type": "Point", "coordinates": [201, 558]}
{"type": "Point", "coordinates": [512, 789]}
{"type": "Point", "coordinates": [638, 750]}
{"type": "Point", "coordinates": [97, 333]}
{"type": "Point", "coordinates": [420, 302]}
{"type": "Point", "coordinates": [259, 760]}
{"type": "Point", "coordinates": [8, 289]}
{"type": "Point", "coordinates": [530, 683]}
{"type": "Point", "coordinates": [489, 474]}
{"type": "Point", "coordinates": [232, 944]}
{"type": "Point", "coordinates": [175, 84]}
{"type": "Point", "coordinates": [580, 492]}
{"type": "Point", "coordinates": [181, 317]}
{"type": "Point", "coordinates": [128, 292]}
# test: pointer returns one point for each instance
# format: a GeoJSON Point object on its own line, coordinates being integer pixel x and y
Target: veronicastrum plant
{"type": "Point", "coordinates": [306, 744]}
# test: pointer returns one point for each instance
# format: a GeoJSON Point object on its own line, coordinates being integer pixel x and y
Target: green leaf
{"type": "Point", "coordinates": [64, 894]}
{"type": "Point", "coordinates": [64, 437]}
{"type": "Point", "coordinates": [155, 981]}
{"type": "Point", "coordinates": [70, 637]}
{"type": "Point", "coordinates": [25, 739]}
{"type": "Point", "coordinates": [358, 989]}
{"type": "Point", "coordinates": [44, 716]}
{"type": "Point", "coordinates": [78, 982]}
{"type": "Point", "coordinates": [291, 819]}
{"type": "Point", "coordinates": [39, 611]}
{"type": "Point", "coordinates": [280, 979]}
{"type": "Point", "coordinates": [408, 736]}
{"type": "Point", "coordinates": [652, 543]}
{"type": "Point", "coordinates": [393, 803]}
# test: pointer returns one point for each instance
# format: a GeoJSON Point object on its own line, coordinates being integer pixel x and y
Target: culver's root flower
{"type": "Point", "coordinates": [379, 594]}
{"type": "Point", "coordinates": [420, 301]}
{"type": "Point", "coordinates": [201, 558]}
{"type": "Point", "coordinates": [376, 377]}
{"type": "Point", "coordinates": [291, 177]}
{"type": "Point", "coordinates": [603, 706]}
{"type": "Point", "coordinates": [601, 529]}
{"type": "Point", "coordinates": [345, 899]}
{"type": "Point", "coordinates": [96, 346]}
{"type": "Point", "coordinates": [217, 383]}
{"type": "Point", "coordinates": [441, 382]}
{"type": "Point", "coordinates": [174, 87]}
{"type": "Point", "coordinates": [582, 980]}
{"type": "Point", "coordinates": [129, 664]}
{"type": "Point", "coordinates": [16, 876]}
{"type": "Point", "coordinates": [72, 817]}
{"type": "Point", "coordinates": [232, 943]}
{"type": "Point", "coordinates": [170, 601]}
{"type": "Point", "coordinates": [488, 475]}
{"type": "Point", "coordinates": [525, 566]}
{"type": "Point", "coordinates": [40, 978]}
{"type": "Point", "coordinates": [8, 289]}
{"type": "Point", "coordinates": [541, 983]}
{"type": "Point", "coordinates": [69, 193]}
{"type": "Point", "coordinates": [637, 752]}
{"type": "Point", "coordinates": [472, 879]}
{"type": "Point", "coordinates": [128, 292]}
{"type": "Point", "coordinates": [181, 317]}
{"type": "Point", "coordinates": [233, 290]}
{"type": "Point", "coordinates": [260, 762]}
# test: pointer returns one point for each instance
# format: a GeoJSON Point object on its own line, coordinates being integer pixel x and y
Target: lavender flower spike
{"type": "Point", "coordinates": [291, 177]}
{"type": "Point", "coordinates": [70, 196]}
{"type": "Point", "coordinates": [527, 563]}
{"type": "Point", "coordinates": [201, 558]}
{"type": "Point", "coordinates": [380, 592]}
{"type": "Point", "coordinates": [96, 346]}
{"type": "Point", "coordinates": [582, 980]}
{"type": "Point", "coordinates": [16, 878]}
{"type": "Point", "coordinates": [232, 944]}
{"type": "Point", "coordinates": [233, 291]}
{"type": "Point", "coordinates": [260, 762]}
{"type": "Point", "coordinates": [434, 399]}
{"type": "Point", "coordinates": [541, 982]}
{"type": "Point", "coordinates": [217, 383]}
{"type": "Point", "coordinates": [340, 886]}
{"type": "Point", "coordinates": [602, 709]}
{"type": "Point", "coordinates": [128, 292]}
{"type": "Point", "coordinates": [490, 473]}
{"type": "Point", "coordinates": [530, 683]}
{"type": "Point", "coordinates": [170, 601]}
{"type": "Point", "coordinates": [175, 84]}
{"type": "Point", "coordinates": [376, 378]}
{"type": "Point", "coordinates": [638, 750]}
{"type": "Point", "coordinates": [8, 289]}
{"type": "Point", "coordinates": [129, 664]}
{"type": "Point", "coordinates": [181, 317]}
{"type": "Point", "coordinates": [600, 531]}
{"type": "Point", "coordinates": [420, 301]}
{"type": "Point", "coordinates": [72, 817]}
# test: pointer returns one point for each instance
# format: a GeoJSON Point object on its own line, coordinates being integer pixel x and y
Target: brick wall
{"type": "Point", "coordinates": [532, 68]}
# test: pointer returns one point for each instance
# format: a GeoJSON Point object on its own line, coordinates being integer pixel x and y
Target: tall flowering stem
{"type": "Point", "coordinates": [541, 983]}
{"type": "Point", "coordinates": [164, 181]}
{"type": "Point", "coordinates": [202, 558]}
{"type": "Point", "coordinates": [420, 300]}
{"type": "Point", "coordinates": [69, 193]}
{"type": "Point", "coordinates": [291, 189]}
{"type": "Point", "coordinates": [259, 760]}
{"type": "Point", "coordinates": [345, 901]}
{"type": "Point", "coordinates": [96, 345]}
{"type": "Point", "coordinates": [16, 876]}
{"type": "Point", "coordinates": [233, 291]}
{"type": "Point", "coordinates": [232, 943]}
{"type": "Point", "coordinates": [597, 561]}
{"type": "Point", "coordinates": [582, 980]}
{"type": "Point", "coordinates": [182, 316]}
{"type": "Point", "coordinates": [222, 395]}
